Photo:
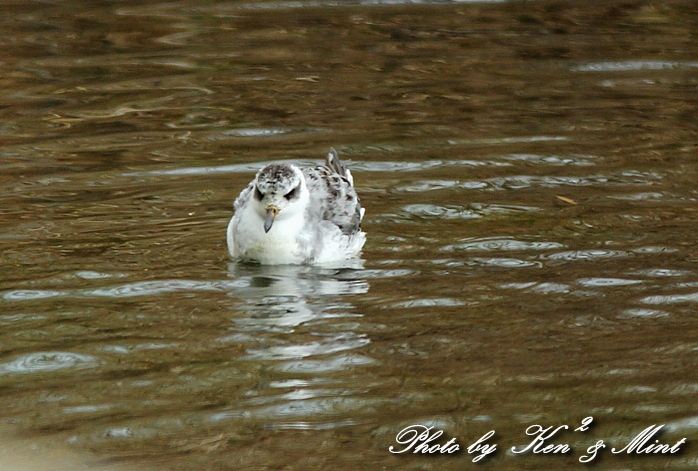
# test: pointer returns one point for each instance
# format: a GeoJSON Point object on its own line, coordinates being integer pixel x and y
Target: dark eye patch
{"type": "Point", "coordinates": [292, 194]}
{"type": "Point", "coordinates": [258, 194]}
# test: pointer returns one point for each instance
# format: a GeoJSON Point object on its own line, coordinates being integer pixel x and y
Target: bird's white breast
{"type": "Point", "coordinates": [278, 246]}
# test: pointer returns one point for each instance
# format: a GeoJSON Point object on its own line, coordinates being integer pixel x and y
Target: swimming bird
{"type": "Point", "coordinates": [294, 215]}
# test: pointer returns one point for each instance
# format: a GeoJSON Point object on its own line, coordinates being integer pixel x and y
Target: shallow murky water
{"type": "Point", "coordinates": [529, 176]}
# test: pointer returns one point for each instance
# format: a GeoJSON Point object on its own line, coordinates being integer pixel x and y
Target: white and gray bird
{"type": "Point", "coordinates": [293, 215]}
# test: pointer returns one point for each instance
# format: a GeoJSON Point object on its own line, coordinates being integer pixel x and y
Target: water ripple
{"type": "Point", "coordinates": [334, 344]}
{"type": "Point", "coordinates": [328, 365]}
{"type": "Point", "coordinates": [94, 275]}
{"type": "Point", "coordinates": [600, 282]}
{"type": "Point", "coordinates": [556, 160]}
{"type": "Point", "coordinates": [387, 273]}
{"type": "Point", "coordinates": [683, 425]}
{"type": "Point", "coordinates": [661, 272]}
{"type": "Point", "coordinates": [497, 183]}
{"type": "Point", "coordinates": [632, 65]}
{"type": "Point", "coordinates": [643, 196]}
{"type": "Point", "coordinates": [6, 320]}
{"type": "Point", "coordinates": [30, 294]}
{"type": "Point", "coordinates": [592, 254]}
{"type": "Point", "coordinates": [671, 299]}
{"type": "Point", "coordinates": [414, 212]}
{"type": "Point", "coordinates": [440, 212]}
{"type": "Point", "coordinates": [42, 362]}
{"type": "Point", "coordinates": [644, 313]}
{"type": "Point", "coordinates": [292, 5]}
{"type": "Point", "coordinates": [431, 185]}
{"type": "Point", "coordinates": [543, 288]}
{"type": "Point", "coordinates": [355, 165]}
{"type": "Point", "coordinates": [486, 262]}
{"type": "Point", "coordinates": [686, 284]}
{"type": "Point", "coordinates": [655, 249]}
{"type": "Point", "coordinates": [142, 288]}
{"type": "Point", "coordinates": [504, 262]}
{"type": "Point", "coordinates": [518, 182]}
{"type": "Point", "coordinates": [87, 409]}
{"type": "Point", "coordinates": [487, 209]}
{"type": "Point", "coordinates": [502, 243]}
{"type": "Point", "coordinates": [187, 171]}
{"type": "Point", "coordinates": [430, 302]}
{"type": "Point", "coordinates": [147, 288]}
{"type": "Point", "coordinates": [397, 166]}
{"type": "Point", "coordinates": [254, 132]}
{"type": "Point", "coordinates": [299, 394]}
{"type": "Point", "coordinates": [311, 425]}
{"type": "Point", "coordinates": [305, 408]}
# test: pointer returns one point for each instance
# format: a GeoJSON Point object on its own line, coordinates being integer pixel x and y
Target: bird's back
{"type": "Point", "coordinates": [332, 193]}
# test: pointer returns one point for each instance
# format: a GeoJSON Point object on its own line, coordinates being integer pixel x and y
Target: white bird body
{"type": "Point", "coordinates": [247, 240]}
{"type": "Point", "coordinates": [289, 215]}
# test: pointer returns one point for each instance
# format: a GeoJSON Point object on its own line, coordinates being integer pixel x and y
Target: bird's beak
{"type": "Point", "coordinates": [272, 211]}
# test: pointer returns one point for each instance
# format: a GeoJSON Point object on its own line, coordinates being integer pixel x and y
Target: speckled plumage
{"type": "Point", "coordinates": [318, 221]}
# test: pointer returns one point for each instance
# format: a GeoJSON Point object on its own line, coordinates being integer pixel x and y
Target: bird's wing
{"type": "Point", "coordinates": [332, 194]}
{"type": "Point", "coordinates": [243, 197]}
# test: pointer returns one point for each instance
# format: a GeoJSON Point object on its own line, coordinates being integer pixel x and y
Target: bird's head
{"type": "Point", "coordinates": [279, 192]}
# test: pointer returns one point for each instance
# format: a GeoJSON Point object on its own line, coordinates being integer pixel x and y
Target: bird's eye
{"type": "Point", "coordinates": [258, 194]}
{"type": "Point", "coordinates": [292, 194]}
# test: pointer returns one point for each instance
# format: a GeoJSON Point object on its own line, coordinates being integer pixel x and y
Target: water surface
{"type": "Point", "coordinates": [528, 172]}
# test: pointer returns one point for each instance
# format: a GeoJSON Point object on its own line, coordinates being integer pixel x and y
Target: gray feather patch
{"type": "Point", "coordinates": [333, 195]}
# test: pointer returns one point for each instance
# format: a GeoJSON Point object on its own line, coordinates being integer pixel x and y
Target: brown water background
{"type": "Point", "coordinates": [529, 172]}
